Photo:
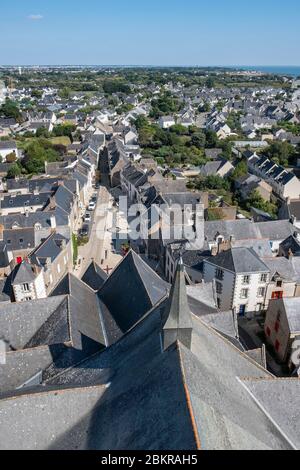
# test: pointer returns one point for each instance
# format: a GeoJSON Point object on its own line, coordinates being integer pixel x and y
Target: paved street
{"type": "Point", "coordinates": [99, 247]}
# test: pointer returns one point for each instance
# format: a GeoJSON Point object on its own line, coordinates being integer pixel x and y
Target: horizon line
{"type": "Point", "coordinates": [147, 65]}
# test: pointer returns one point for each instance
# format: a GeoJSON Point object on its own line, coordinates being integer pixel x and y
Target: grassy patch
{"type": "Point", "coordinates": [63, 140]}
{"type": "Point", "coordinates": [75, 248]}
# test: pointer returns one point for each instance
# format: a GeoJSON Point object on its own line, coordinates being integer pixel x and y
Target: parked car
{"type": "Point", "coordinates": [84, 231]}
{"type": "Point", "coordinates": [87, 217]}
{"type": "Point", "coordinates": [92, 206]}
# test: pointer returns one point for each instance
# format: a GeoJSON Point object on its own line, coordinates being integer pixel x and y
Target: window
{"type": "Point", "coordinates": [246, 280]}
{"type": "Point", "coordinates": [219, 302]}
{"type": "Point", "coordinates": [220, 274]}
{"type": "Point", "coordinates": [8, 242]}
{"type": "Point", "coordinates": [261, 292]}
{"type": "Point", "coordinates": [21, 240]}
{"type": "Point", "coordinates": [263, 278]}
{"type": "Point", "coordinates": [279, 284]}
{"type": "Point", "coordinates": [219, 288]}
{"type": "Point", "coordinates": [244, 293]}
{"type": "Point", "coordinates": [26, 287]}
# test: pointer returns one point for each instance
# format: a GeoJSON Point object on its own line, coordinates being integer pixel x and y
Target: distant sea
{"type": "Point", "coordinates": [290, 70]}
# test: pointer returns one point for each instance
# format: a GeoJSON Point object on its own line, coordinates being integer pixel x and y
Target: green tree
{"type": "Point", "coordinates": [10, 109]}
{"type": "Point", "coordinates": [14, 171]}
{"type": "Point", "coordinates": [240, 170]}
{"type": "Point", "coordinates": [211, 138]}
{"type": "Point", "coordinates": [37, 153]}
{"type": "Point", "coordinates": [198, 140]}
{"type": "Point", "coordinates": [65, 93]}
{"type": "Point", "coordinates": [280, 152]}
{"type": "Point", "coordinates": [257, 201]}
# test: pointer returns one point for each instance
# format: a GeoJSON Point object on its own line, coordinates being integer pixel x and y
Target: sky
{"type": "Point", "coordinates": [144, 32]}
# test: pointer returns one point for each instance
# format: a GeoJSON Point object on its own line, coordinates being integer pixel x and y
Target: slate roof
{"type": "Point", "coordinates": [292, 306]}
{"type": "Point", "coordinates": [145, 397]}
{"type": "Point", "coordinates": [19, 239]}
{"type": "Point", "coordinates": [85, 320]}
{"type": "Point", "coordinates": [239, 260]}
{"type": "Point", "coordinates": [271, 392]}
{"type": "Point", "coordinates": [26, 221]}
{"type": "Point", "coordinates": [290, 244]}
{"type": "Point", "coordinates": [5, 290]}
{"type": "Point", "coordinates": [177, 308]}
{"type": "Point", "coordinates": [8, 145]}
{"type": "Point", "coordinates": [94, 276]}
{"type": "Point", "coordinates": [23, 273]}
{"type": "Point", "coordinates": [51, 248]}
{"type": "Point", "coordinates": [133, 389]}
{"type": "Point", "coordinates": [64, 199]}
{"type": "Point", "coordinates": [22, 324]}
{"type": "Point", "coordinates": [24, 200]}
{"type": "Point", "coordinates": [247, 230]}
{"type": "Point", "coordinates": [131, 290]}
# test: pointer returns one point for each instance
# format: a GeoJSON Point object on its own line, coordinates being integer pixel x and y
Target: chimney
{"type": "Point", "coordinates": [214, 251]}
{"type": "Point", "coordinates": [53, 222]}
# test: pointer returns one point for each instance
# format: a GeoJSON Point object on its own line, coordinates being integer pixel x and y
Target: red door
{"type": "Point", "coordinates": [277, 295]}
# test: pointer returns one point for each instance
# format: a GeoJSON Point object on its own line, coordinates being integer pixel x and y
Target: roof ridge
{"type": "Point", "coordinates": [55, 390]}
{"type": "Point", "coordinates": [267, 414]}
{"type": "Point", "coordinates": [229, 343]}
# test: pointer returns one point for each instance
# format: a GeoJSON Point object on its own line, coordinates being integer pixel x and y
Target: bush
{"type": "Point", "coordinates": [11, 157]}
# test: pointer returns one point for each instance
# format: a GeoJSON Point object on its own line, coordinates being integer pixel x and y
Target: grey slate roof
{"type": "Point", "coordinates": [133, 389]}
{"type": "Point", "coordinates": [292, 306]}
{"type": "Point", "coordinates": [131, 290]}
{"type": "Point", "coordinates": [178, 326]}
{"type": "Point", "coordinates": [21, 322]}
{"type": "Point", "coordinates": [24, 200]}
{"type": "Point", "coordinates": [85, 319]}
{"type": "Point", "coordinates": [147, 398]}
{"type": "Point", "coordinates": [19, 239]}
{"type": "Point", "coordinates": [23, 273]}
{"type": "Point", "coordinates": [280, 399]}
{"type": "Point", "coordinates": [51, 248]}
{"type": "Point", "coordinates": [94, 276]}
{"type": "Point", "coordinates": [239, 260]}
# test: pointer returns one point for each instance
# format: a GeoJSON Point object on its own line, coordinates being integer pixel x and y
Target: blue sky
{"type": "Point", "coordinates": [157, 32]}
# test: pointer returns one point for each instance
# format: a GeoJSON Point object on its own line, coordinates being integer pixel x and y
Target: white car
{"type": "Point", "coordinates": [87, 217]}
{"type": "Point", "coordinates": [92, 206]}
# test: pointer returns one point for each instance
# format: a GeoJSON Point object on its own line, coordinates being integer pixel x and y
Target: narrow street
{"type": "Point", "coordinates": [99, 247]}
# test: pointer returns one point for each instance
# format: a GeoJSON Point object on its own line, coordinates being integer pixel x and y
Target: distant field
{"type": "Point", "coordinates": [64, 140]}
